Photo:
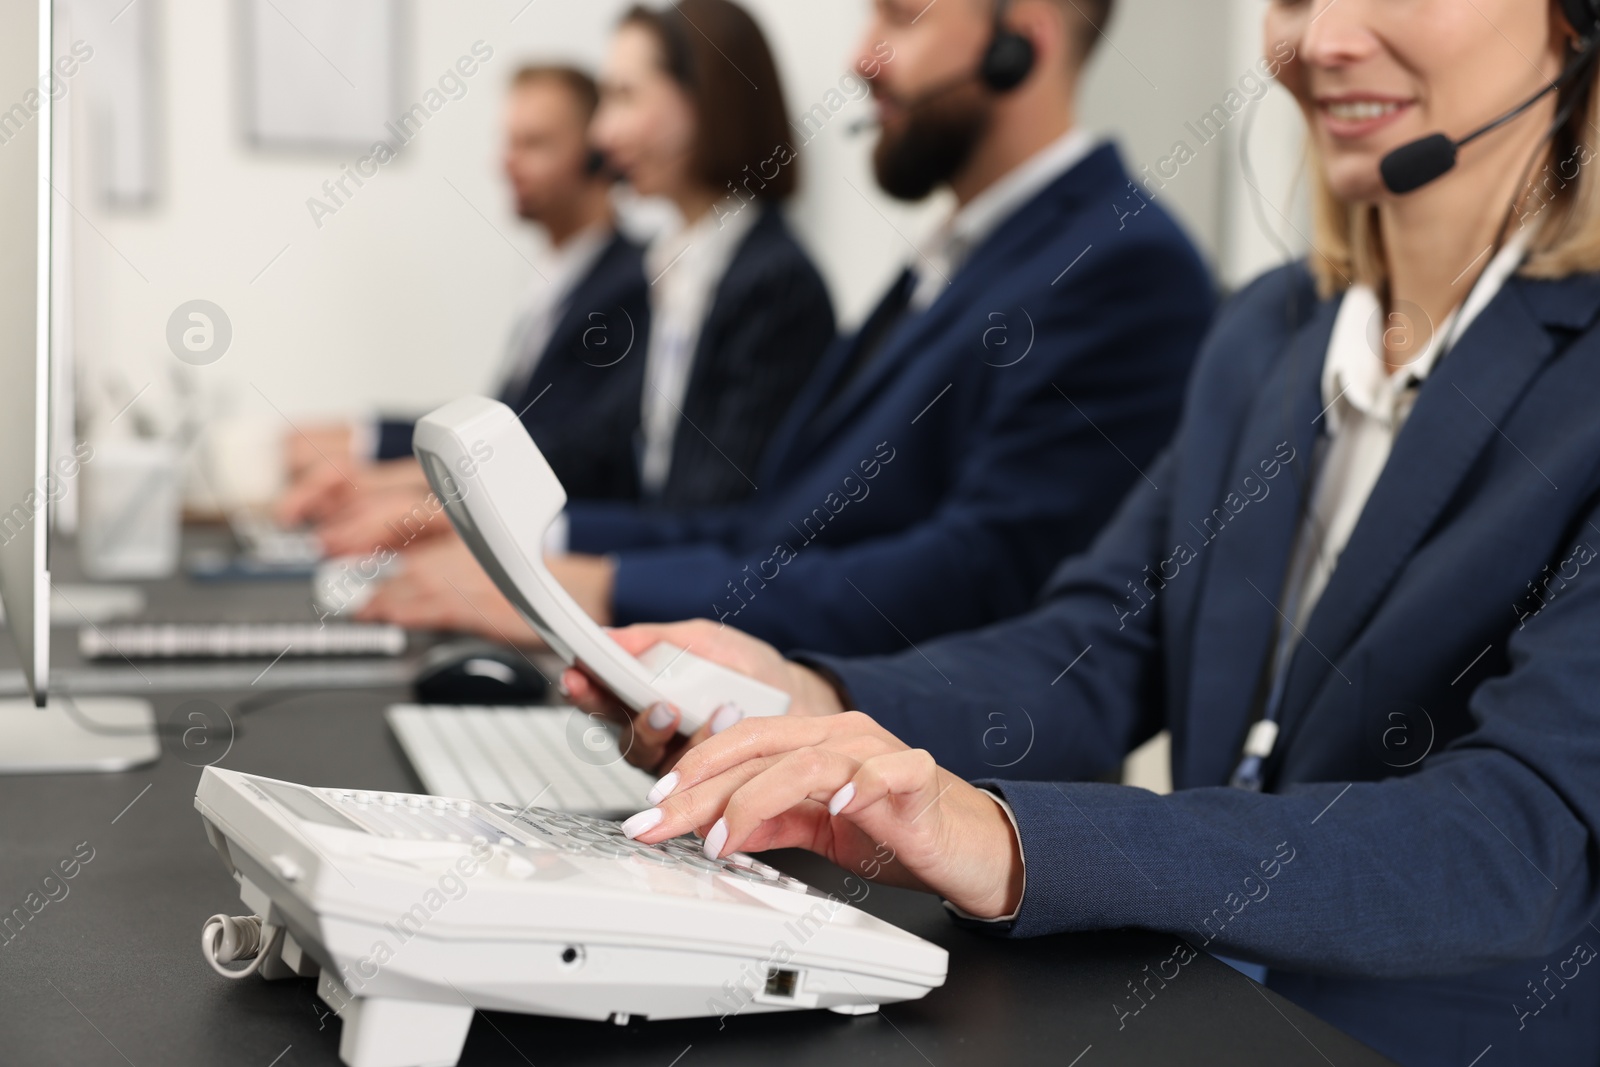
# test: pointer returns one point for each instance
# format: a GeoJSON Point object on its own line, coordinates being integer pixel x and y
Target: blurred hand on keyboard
{"type": "Point", "coordinates": [382, 517]}
{"type": "Point", "coordinates": [654, 741]}
{"type": "Point", "coordinates": [318, 468]}
{"type": "Point", "coordinates": [364, 505]}
{"type": "Point", "coordinates": [589, 580]}
{"type": "Point", "coordinates": [443, 588]}
{"type": "Point", "coordinates": [316, 492]}
{"type": "Point", "coordinates": [311, 446]}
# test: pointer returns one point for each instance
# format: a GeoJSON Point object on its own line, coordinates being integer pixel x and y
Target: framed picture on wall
{"type": "Point", "coordinates": [320, 75]}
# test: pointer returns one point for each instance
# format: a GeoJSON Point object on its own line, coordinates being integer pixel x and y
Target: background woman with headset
{"type": "Point", "coordinates": [1362, 589]}
{"type": "Point", "coordinates": [692, 110]}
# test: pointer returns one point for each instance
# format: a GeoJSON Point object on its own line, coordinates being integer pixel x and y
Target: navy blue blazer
{"type": "Point", "coordinates": [769, 324]}
{"type": "Point", "coordinates": [1423, 867]}
{"type": "Point", "coordinates": [991, 435]}
{"type": "Point", "coordinates": [581, 404]}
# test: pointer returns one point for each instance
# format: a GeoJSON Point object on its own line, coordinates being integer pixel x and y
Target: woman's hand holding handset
{"type": "Point", "coordinates": [650, 739]}
{"type": "Point", "coordinates": [818, 778]}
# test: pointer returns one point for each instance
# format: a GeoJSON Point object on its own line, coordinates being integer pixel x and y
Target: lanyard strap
{"type": "Point", "coordinates": [1263, 735]}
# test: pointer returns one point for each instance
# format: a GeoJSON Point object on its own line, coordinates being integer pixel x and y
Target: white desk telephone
{"type": "Point", "coordinates": [413, 912]}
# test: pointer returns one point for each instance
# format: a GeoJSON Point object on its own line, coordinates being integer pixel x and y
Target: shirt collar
{"type": "Point", "coordinates": [1353, 375]}
{"type": "Point", "coordinates": [582, 251]}
{"type": "Point", "coordinates": [942, 254]}
{"type": "Point", "coordinates": [705, 247]}
{"type": "Point", "coordinates": [584, 247]}
{"type": "Point", "coordinates": [984, 213]}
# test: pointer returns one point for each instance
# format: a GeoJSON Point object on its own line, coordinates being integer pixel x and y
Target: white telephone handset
{"type": "Point", "coordinates": [502, 497]}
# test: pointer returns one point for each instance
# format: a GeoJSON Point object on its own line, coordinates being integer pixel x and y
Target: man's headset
{"type": "Point", "coordinates": [1010, 57]}
{"type": "Point", "coordinates": [1411, 166]}
{"type": "Point", "coordinates": [1006, 64]}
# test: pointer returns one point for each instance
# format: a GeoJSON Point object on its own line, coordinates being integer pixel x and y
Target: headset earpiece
{"type": "Point", "coordinates": [1008, 62]}
{"type": "Point", "coordinates": [1010, 57]}
{"type": "Point", "coordinates": [1584, 15]}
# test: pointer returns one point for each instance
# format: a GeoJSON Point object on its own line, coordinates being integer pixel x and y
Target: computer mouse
{"type": "Point", "coordinates": [476, 672]}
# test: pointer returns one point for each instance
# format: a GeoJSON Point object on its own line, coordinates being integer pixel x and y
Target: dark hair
{"type": "Point", "coordinates": [577, 82]}
{"type": "Point", "coordinates": [715, 51]}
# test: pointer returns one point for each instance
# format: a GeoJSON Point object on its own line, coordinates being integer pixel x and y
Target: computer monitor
{"type": "Point", "coordinates": [38, 735]}
{"type": "Point", "coordinates": [25, 343]}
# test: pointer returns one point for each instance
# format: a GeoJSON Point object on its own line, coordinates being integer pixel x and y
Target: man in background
{"type": "Point", "coordinates": [573, 369]}
{"type": "Point", "coordinates": [982, 425]}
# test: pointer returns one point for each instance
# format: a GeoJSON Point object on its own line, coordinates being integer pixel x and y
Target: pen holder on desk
{"type": "Point", "coordinates": [132, 507]}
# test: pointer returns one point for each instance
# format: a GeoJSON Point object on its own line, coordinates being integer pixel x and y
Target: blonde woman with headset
{"type": "Point", "coordinates": [1362, 589]}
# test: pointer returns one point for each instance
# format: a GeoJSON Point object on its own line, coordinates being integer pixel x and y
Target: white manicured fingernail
{"type": "Point", "coordinates": [725, 717]}
{"type": "Point", "coordinates": [663, 789]}
{"type": "Point", "coordinates": [715, 839]}
{"type": "Point", "coordinates": [660, 717]}
{"type": "Point", "coordinates": [638, 824]}
{"type": "Point", "coordinates": [841, 798]}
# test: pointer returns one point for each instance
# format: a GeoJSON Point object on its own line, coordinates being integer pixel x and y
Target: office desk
{"type": "Point", "coordinates": [111, 973]}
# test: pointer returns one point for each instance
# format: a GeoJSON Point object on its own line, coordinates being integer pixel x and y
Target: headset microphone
{"type": "Point", "coordinates": [1411, 166]}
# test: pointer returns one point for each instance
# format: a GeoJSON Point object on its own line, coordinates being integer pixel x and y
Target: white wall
{"type": "Point", "coordinates": [404, 296]}
{"type": "Point", "coordinates": [1260, 224]}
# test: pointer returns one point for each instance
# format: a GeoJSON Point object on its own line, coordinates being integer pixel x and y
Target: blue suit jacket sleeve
{"type": "Point", "coordinates": [599, 527]}
{"type": "Point", "coordinates": [1008, 514]}
{"type": "Point", "coordinates": [394, 438]}
{"type": "Point", "coordinates": [1084, 680]}
{"type": "Point", "coordinates": [1336, 878]}
{"type": "Point", "coordinates": [1374, 887]}
{"type": "Point", "coordinates": [1074, 652]}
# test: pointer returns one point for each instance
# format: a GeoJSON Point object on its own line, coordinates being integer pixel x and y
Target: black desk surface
{"type": "Point", "coordinates": [112, 973]}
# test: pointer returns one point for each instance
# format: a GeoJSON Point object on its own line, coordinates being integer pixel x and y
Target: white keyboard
{"type": "Point", "coordinates": [545, 757]}
{"type": "Point", "coordinates": [239, 640]}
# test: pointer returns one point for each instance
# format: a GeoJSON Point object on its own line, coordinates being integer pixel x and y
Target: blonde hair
{"type": "Point", "coordinates": [1562, 198]}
